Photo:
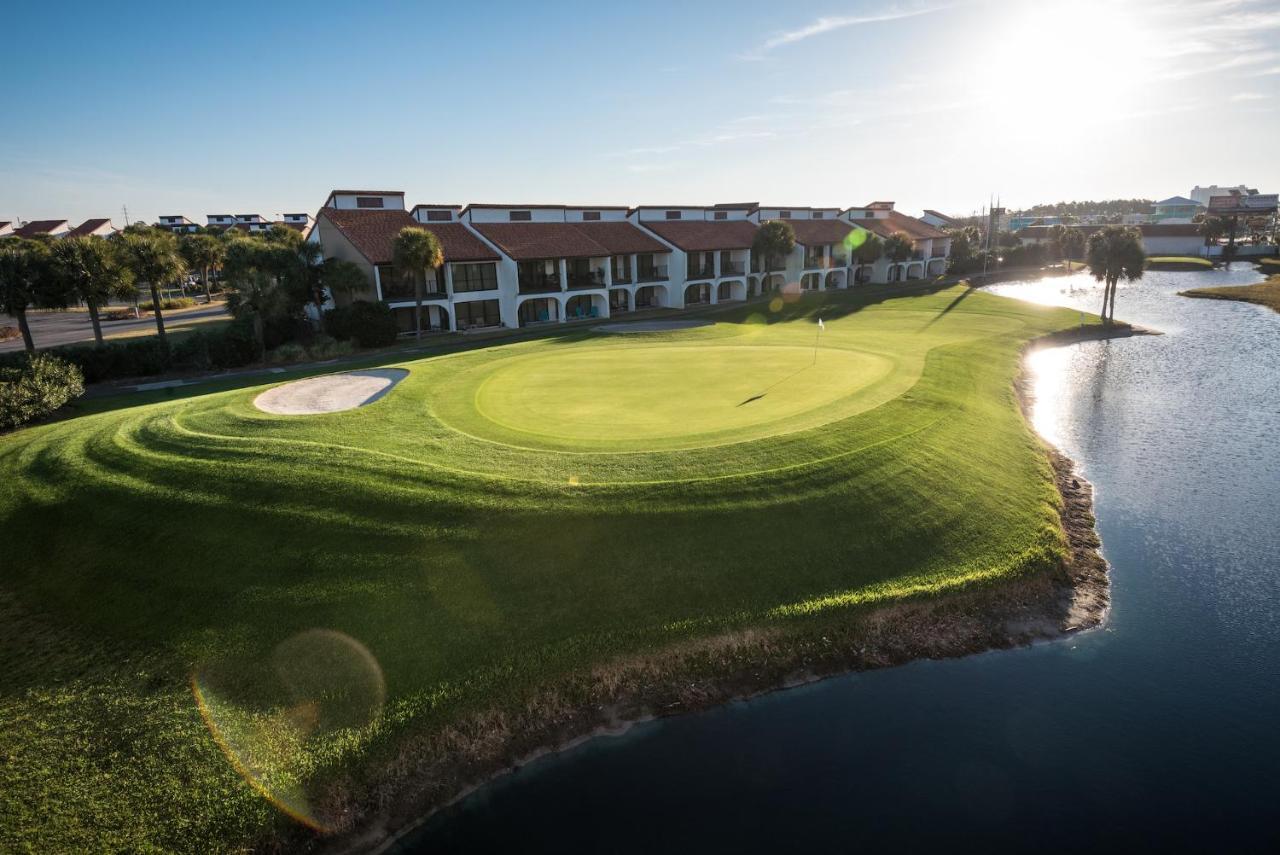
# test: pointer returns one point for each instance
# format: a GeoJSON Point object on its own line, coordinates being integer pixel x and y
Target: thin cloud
{"type": "Point", "coordinates": [1249, 96]}
{"type": "Point", "coordinates": [827, 24]}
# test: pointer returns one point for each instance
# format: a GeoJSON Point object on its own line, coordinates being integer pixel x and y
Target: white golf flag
{"type": "Point", "coordinates": [821, 325]}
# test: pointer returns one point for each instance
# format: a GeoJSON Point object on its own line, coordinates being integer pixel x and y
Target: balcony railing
{"type": "Point", "coordinates": [813, 262]}
{"type": "Point", "coordinates": [657, 273]}
{"type": "Point", "coordinates": [621, 278]}
{"type": "Point", "coordinates": [594, 279]}
{"type": "Point", "coordinates": [838, 261]}
{"type": "Point", "coordinates": [705, 271]}
{"type": "Point", "coordinates": [539, 284]}
{"type": "Point", "coordinates": [732, 268]}
{"type": "Point", "coordinates": [938, 253]}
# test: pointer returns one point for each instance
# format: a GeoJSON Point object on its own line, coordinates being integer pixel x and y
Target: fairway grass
{"type": "Point", "coordinates": [1263, 293]}
{"type": "Point", "coordinates": [219, 623]}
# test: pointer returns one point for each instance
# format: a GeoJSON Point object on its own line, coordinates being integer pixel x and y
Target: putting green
{"type": "Point", "coordinates": [665, 392]}
{"type": "Point", "coordinates": [200, 590]}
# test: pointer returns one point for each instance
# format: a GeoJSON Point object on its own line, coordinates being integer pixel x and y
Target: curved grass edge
{"type": "Point", "coordinates": [1266, 293]}
{"type": "Point", "coordinates": [1036, 603]}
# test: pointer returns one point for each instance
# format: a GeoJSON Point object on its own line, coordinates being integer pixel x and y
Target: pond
{"type": "Point", "coordinates": [1161, 729]}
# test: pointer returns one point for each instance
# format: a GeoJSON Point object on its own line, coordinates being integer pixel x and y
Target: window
{"type": "Point", "coordinates": [784, 215]}
{"type": "Point", "coordinates": [722, 215]}
{"type": "Point", "coordinates": [673, 215]}
{"type": "Point", "coordinates": [438, 216]}
{"type": "Point", "coordinates": [590, 215]}
{"type": "Point", "coordinates": [474, 277]}
{"type": "Point", "coordinates": [520, 216]}
{"type": "Point", "coordinates": [368, 201]}
{"type": "Point", "coordinates": [478, 313]}
{"type": "Point", "coordinates": [817, 215]}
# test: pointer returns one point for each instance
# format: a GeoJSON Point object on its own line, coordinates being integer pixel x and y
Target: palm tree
{"type": "Point", "coordinates": [152, 256]}
{"type": "Point", "coordinates": [88, 268]}
{"type": "Point", "coordinates": [338, 276]}
{"type": "Point", "coordinates": [898, 247]}
{"type": "Point", "coordinates": [1212, 228]}
{"type": "Point", "coordinates": [773, 240]}
{"type": "Point", "coordinates": [1113, 253]}
{"type": "Point", "coordinates": [870, 250]}
{"type": "Point", "coordinates": [26, 282]}
{"type": "Point", "coordinates": [1072, 245]}
{"type": "Point", "coordinates": [415, 253]}
{"type": "Point", "coordinates": [203, 252]}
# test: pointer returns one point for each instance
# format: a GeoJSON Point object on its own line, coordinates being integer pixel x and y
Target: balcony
{"type": "Point", "coordinates": [590, 279]}
{"type": "Point", "coordinates": [700, 271]}
{"type": "Point", "coordinates": [657, 273]}
{"type": "Point", "coordinates": [539, 284]}
{"type": "Point", "coordinates": [837, 261]}
{"type": "Point", "coordinates": [732, 268]}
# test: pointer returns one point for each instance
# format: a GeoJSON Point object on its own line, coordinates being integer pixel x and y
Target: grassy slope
{"type": "Point", "coordinates": [1264, 293]}
{"type": "Point", "coordinates": [156, 541]}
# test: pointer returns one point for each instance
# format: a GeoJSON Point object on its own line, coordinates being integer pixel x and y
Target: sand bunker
{"type": "Point", "coordinates": [651, 326]}
{"type": "Point", "coordinates": [331, 393]}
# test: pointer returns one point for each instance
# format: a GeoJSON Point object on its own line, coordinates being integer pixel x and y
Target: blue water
{"type": "Point", "coordinates": [1160, 730]}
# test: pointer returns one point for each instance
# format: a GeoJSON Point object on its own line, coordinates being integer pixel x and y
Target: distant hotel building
{"type": "Point", "coordinates": [517, 265]}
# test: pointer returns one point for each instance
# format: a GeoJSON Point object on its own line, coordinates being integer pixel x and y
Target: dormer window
{"type": "Point", "coordinates": [368, 201]}
{"type": "Point", "coordinates": [438, 216]}
{"type": "Point", "coordinates": [673, 215]}
{"type": "Point", "coordinates": [721, 215]}
{"type": "Point", "coordinates": [784, 215]}
{"type": "Point", "coordinates": [817, 215]}
{"type": "Point", "coordinates": [519, 216]}
{"type": "Point", "coordinates": [590, 215]}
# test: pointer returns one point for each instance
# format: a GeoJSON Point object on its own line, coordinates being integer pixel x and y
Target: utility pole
{"type": "Point", "coordinates": [125, 210]}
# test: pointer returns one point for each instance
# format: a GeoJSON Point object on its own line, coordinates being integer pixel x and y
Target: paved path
{"type": "Point", "coordinates": [51, 329]}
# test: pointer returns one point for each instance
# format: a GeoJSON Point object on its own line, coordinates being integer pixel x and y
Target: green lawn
{"type": "Point", "coordinates": [196, 593]}
{"type": "Point", "coordinates": [1178, 262]}
{"type": "Point", "coordinates": [1263, 293]}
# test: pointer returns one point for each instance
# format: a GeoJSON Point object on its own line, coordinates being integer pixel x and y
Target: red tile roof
{"type": "Point", "coordinates": [816, 232]}
{"type": "Point", "coordinates": [88, 227]}
{"type": "Point", "coordinates": [527, 241]}
{"type": "Point", "coordinates": [704, 235]}
{"type": "Point", "coordinates": [896, 222]}
{"type": "Point", "coordinates": [39, 227]}
{"type": "Point", "coordinates": [373, 232]}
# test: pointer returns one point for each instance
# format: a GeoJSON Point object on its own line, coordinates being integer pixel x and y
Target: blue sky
{"type": "Point", "coordinates": [237, 107]}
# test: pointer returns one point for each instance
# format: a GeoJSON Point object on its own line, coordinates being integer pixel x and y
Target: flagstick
{"type": "Point", "coordinates": [816, 336]}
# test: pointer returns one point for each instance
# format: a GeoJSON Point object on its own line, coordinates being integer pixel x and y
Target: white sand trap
{"type": "Point", "coordinates": [651, 326]}
{"type": "Point", "coordinates": [331, 393]}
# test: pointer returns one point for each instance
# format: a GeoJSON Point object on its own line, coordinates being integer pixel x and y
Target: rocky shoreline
{"type": "Point", "coordinates": [432, 772]}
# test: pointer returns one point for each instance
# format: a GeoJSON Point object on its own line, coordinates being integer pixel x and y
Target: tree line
{"type": "Point", "coordinates": [267, 278]}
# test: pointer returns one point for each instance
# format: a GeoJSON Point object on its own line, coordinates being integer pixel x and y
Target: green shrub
{"type": "Point", "coordinates": [36, 389]}
{"type": "Point", "coordinates": [170, 303]}
{"type": "Point", "coordinates": [8, 332]}
{"type": "Point", "coordinates": [327, 347]}
{"type": "Point", "coordinates": [368, 324]}
{"type": "Point", "coordinates": [288, 352]}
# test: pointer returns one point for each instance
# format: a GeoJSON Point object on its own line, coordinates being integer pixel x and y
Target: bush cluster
{"type": "Point", "coordinates": [40, 385]}
{"type": "Point", "coordinates": [368, 324]}
{"type": "Point", "coordinates": [1025, 255]}
{"type": "Point", "coordinates": [227, 347]}
{"type": "Point", "coordinates": [170, 303]}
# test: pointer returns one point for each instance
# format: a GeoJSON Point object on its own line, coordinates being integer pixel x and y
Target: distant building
{"type": "Point", "coordinates": [176, 223]}
{"type": "Point", "coordinates": [1022, 221]}
{"type": "Point", "coordinates": [1157, 238]}
{"type": "Point", "coordinates": [6, 228]}
{"type": "Point", "coordinates": [1202, 195]}
{"type": "Point", "coordinates": [940, 221]}
{"type": "Point", "coordinates": [1176, 209]}
{"type": "Point", "coordinates": [42, 228]}
{"type": "Point", "coordinates": [93, 228]}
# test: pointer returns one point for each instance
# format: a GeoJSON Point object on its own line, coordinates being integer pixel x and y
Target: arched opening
{"type": "Point", "coordinates": [753, 287]}
{"type": "Point", "coordinates": [541, 310]}
{"type": "Point", "coordinates": [836, 279]}
{"type": "Point", "coordinates": [583, 306]}
{"type": "Point", "coordinates": [810, 281]}
{"type": "Point", "coordinates": [864, 274]}
{"type": "Point", "coordinates": [619, 301]}
{"type": "Point", "coordinates": [775, 282]}
{"type": "Point", "coordinates": [937, 266]}
{"type": "Point", "coordinates": [915, 271]}
{"type": "Point", "coordinates": [651, 297]}
{"type": "Point", "coordinates": [697, 294]}
{"type": "Point", "coordinates": [734, 289]}
{"type": "Point", "coordinates": [895, 273]}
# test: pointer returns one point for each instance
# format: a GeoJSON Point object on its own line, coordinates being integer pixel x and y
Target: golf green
{"type": "Point", "coordinates": [203, 603]}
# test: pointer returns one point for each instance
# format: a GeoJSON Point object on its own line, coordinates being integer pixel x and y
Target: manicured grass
{"type": "Point", "coordinates": [1178, 262]}
{"type": "Point", "coordinates": [1269, 264]}
{"type": "Point", "coordinates": [505, 518]}
{"type": "Point", "coordinates": [1264, 293]}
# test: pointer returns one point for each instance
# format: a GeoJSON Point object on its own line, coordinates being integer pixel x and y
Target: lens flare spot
{"type": "Point", "coordinates": [855, 239]}
{"type": "Point", "coordinates": [270, 717]}
{"type": "Point", "coordinates": [573, 481]}
{"type": "Point", "coordinates": [775, 305]}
